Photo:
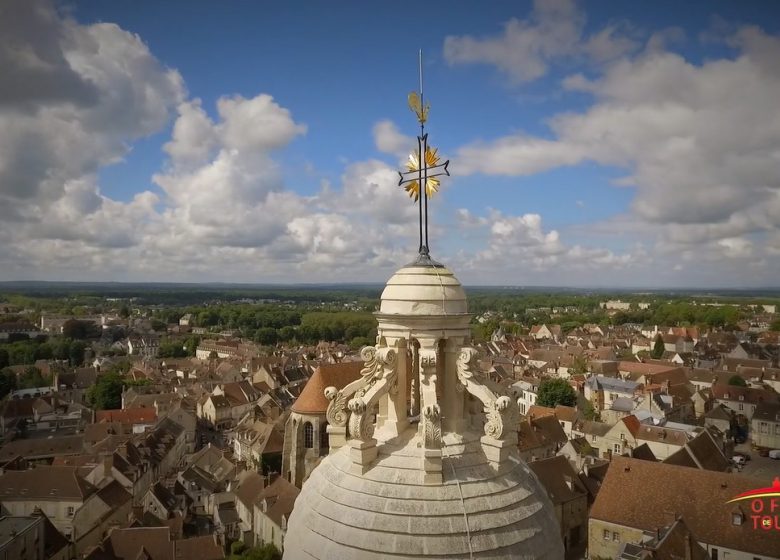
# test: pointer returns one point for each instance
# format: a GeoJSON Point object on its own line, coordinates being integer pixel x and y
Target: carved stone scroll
{"type": "Point", "coordinates": [375, 362]}
{"type": "Point", "coordinates": [431, 411]}
{"type": "Point", "coordinates": [500, 410]}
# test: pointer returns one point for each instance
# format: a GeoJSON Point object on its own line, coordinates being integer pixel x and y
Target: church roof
{"type": "Point", "coordinates": [312, 399]}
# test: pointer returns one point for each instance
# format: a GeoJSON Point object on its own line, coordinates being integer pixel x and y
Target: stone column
{"type": "Point", "coordinates": [395, 415]}
{"type": "Point", "coordinates": [453, 406]}
{"type": "Point", "coordinates": [430, 413]}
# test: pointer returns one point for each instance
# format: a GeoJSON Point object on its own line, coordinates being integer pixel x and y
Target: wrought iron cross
{"type": "Point", "coordinates": [423, 168]}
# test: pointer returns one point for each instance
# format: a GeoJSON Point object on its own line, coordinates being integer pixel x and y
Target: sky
{"type": "Point", "coordinates": [593, 144]}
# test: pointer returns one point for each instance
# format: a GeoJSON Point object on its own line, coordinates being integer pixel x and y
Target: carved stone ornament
{"type": "Point", "coordinates": [336, 414]}
{"type": "Point", "coordinates": [500, 411]}
{"type": "Point", "coordinates": [379, 364]}
{"type": "Point", "coordinates": [377, 378]}
{"type": "Point", "coordinates": [432, 426]}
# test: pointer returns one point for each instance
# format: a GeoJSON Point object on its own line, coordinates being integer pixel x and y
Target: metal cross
{"type": "Point", "coordinates": [421, 178]}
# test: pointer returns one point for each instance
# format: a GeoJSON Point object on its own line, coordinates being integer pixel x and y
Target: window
{"type": "Point", "coordinates": [616, 537]}
{"type": "Point", "coordinates": [616, 447]}
{"type": "Point", "coordinates": [324, 441]}
{"type": "Point", "coordinates": [714, 554]}
{"type": "Point", "coordinates": [622, 437]}
{"type": "Point", "coordinates": [763, 427]}
{"type": "Point", "coordinates": [741, 406]}
{"type": "Point", "coordinates": [593, 438]}
{"type": "Point", "coordinates": [308, 435]}
{"type": "Point", "coordinates": [737, 518]}
{"type": "Point", "coordinates": [71, 511]}
{"type": "Point", "coordinates": [607, 534]}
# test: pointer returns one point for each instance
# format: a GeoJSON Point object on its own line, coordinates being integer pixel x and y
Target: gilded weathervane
{"type": "Point", "coordinates": [423, 168]}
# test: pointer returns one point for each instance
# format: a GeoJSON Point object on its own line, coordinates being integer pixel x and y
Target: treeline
{"type": "Point", "coordinates": [26, 352]}
{"type": "Point", "coordinates": [28, 379]}
{"type": "Point", "coordinates": [351, 327]}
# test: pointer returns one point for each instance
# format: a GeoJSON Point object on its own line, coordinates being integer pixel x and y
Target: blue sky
{"type": "Point", "coordinates": [592, 143]}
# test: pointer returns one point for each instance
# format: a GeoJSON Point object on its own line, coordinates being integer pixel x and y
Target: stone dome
{"type": "Point", "coordinates": [423, 458]}
{"type": "Point", "coordinates": [423, 290]}
{"type": "Point", "coordinates": [479, 511]}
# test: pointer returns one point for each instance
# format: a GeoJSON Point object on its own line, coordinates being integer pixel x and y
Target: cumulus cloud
{"type": "Point", "coordinates": [389, 140]}
{"type": "Point", "coordinates": [700, 142]}
{"type": "Point", "coordinates": [520, 248]}
{"type": "Point", "coordinates": [224, 210]}
{"type": "Point", "coordinates": [526, 48]}
{"type": "Point", "coordinates": [74, 99]}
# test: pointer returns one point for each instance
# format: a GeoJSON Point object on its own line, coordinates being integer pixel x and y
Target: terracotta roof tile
{"type": "Point", "coordinates": [312, 399]}
{"type": "Point", "coordinates": [644, 495]}
{"type": "Point", "coordinates": [127, 416]}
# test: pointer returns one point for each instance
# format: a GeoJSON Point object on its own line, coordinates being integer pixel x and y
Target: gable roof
{"type": "Point", "coordinates": [42, 448]}
{"type": "Point", "coordinates": [312, 399]}
{"type": "Point", "coordinates": [127, 415]}
{"type": "Point", "coordinates": [45, 483]}
{"type": "Point", "coordinates": [700, 453]}
{"type": "Point", "coordinates": [559, 479]}
{"type": "Point", "coordinates": [279, 498]}
{"type": "Point", "coordinates": [643, 495]}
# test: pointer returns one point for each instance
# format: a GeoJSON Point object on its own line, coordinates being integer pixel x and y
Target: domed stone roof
{"type": "Point", "coordinates": [479, 511]}
{"type": "Point", "coordinates": [423, 290]}
{"type": "Point", "coordinates": [423, 456]}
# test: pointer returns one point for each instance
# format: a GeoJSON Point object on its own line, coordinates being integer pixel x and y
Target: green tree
{"type": "Point", "coordinates": [76, 353]}
{"type": "Point", "coordinates": [775, 326]}
{"type": "Point", "coordinates": [266, 336]}
{"type": "Point", "coordinates": [737, 381]}
{"type": "Point", "coordinates": [658, 347]}
{"type": "Point", "coordinates": [124, 311]}
{"type": "Point", "coordinates": [75, 329]}
{"type": "Point", "coordinates": [579, 365]}
{"type": "Point", "coordinates": [5, 359]}
{"type": "Point", "coordinates": [589, 411]}
{"type": "Point", "coordinates": [106, 393]}
{"type": "Point", "coordinates": [32, 378]}
{"type": "Point", "coordinates": [7, 382]}
{"type": "Point", "coordinates": [263, 552]}
{"type": "Point", "coordinates": [171, 350]}
{"type": "Point", "coordinates": [553, 392]}
{"type": "Point", "coordinates": [287, 333]}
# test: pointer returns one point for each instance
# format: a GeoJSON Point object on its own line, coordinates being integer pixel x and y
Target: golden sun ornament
{"type": "Point", "coordinates": [432, 183]}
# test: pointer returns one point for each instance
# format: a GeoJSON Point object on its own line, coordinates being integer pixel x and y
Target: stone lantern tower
{"type": "Point", "coordinates": [423, 459]}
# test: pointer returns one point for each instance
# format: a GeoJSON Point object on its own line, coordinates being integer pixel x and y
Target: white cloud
{"type": "Point", "coordinates": [389, 140]}
{"type": "Point", "coordinates": [113, 91]}
{"type": "Point", "coordinates": [701, 143]}
{"type": "Point", "coordinates": [526, 48]}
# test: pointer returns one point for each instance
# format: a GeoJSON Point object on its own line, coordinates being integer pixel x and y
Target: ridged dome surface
{"type": "Point", "coordinates": [479, 511]}
{"type": "Point", "coordinates": [423, 290]}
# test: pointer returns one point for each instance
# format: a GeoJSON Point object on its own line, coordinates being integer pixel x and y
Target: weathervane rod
{"type": "Point", "coordinates": [421, 180]}
{"type": "Point", "coordinates": [423, 159]}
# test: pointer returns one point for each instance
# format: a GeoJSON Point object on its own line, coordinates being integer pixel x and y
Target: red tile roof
{"type": "Point", "coordinates": [643, 495]}
{"type": "Point", "coordinates": [312, 399]}
{"type": "Point", "coordinates": [127, 416]}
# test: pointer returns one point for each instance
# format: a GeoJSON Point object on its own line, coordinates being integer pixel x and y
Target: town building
{"type": "Point", "coordinates": [639, 498]}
